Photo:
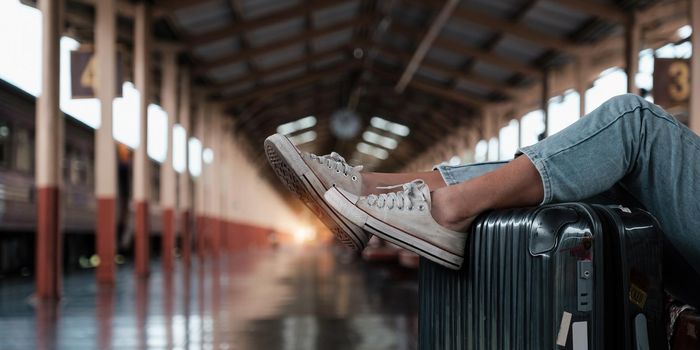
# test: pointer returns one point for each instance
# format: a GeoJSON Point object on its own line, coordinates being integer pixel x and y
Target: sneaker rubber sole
{"type": "Point", "coordinates": [298, 177]}
{"type": "Point", "coordinates": [391, 233]}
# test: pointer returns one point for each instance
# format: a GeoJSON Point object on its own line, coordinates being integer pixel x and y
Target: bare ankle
{"type": "Point", "coordinates": [449, 211]}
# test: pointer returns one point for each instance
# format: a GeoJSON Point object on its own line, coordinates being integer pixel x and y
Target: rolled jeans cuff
{"type": "Point", "coordinates": [540, 163]}
{"type": "Point", "coordinates": [446, 174]}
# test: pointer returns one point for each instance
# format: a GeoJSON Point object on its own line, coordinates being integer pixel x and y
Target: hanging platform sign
{"type": "Point", "coordinates": [671, 82]}
{"type": "Point", "coordinates": [83, 69]}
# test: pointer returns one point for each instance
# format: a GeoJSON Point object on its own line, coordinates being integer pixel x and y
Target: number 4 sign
{"type": "Point", "coordinates": [84, 78]}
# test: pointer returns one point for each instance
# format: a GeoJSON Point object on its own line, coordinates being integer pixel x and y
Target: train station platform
{"type": "Point", "coordinates": [288, 298]}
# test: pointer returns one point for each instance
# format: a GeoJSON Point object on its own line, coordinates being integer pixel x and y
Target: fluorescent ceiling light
{"type": "Point", "coordinates": [300, 124]}
{"type": "Point", "coordinates": [373, 137]}
{"type": "Point", "coordinates": [372, 150]}
{"type": "Point", "coordinates": [195, 157]}
{"type": "Point", "coordinates": [208, 155]}
{"type": "Point", "coordinates": [394, 128]}
{"type": "Point", "coordinates": [303, 137]}
{"type": "Point", "coordinates": [684, 31]}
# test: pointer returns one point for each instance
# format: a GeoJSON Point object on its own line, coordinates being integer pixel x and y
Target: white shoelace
{"type": "Point", "coordinates": [337, 162]}
{"type": "Point", "coordinates": [405, 198]}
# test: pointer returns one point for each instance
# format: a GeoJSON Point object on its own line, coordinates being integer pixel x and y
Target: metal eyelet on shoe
{"type": "Point", "coordinates": [421, 208]}
{"type": "Point", "coordinates": [354, 178]}
{"type": "Point", "coordinates": [337, 171]}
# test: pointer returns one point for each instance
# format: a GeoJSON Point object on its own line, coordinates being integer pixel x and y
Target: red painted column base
{"type": "Point", "coordinates": [199, 235]}
{"type": "Point", "coordinates": [168, 239]}
{"type": "Point", "coordinates": [49, 244]}
{"type": "Point", "coordinates": [106, 239]}
{"type": "Point", "coordinates": [141, 239]}
{"type": "Point", "coordinates": [214, 236]}
{"type": "Point", "coordinates": [186, 237]}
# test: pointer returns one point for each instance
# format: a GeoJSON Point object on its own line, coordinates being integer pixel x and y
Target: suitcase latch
{"type": "Point", "coordinates": [584, 285]}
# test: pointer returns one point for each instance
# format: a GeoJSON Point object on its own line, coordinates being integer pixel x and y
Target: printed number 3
{"type": "Point", "coordinates": [679, 89]}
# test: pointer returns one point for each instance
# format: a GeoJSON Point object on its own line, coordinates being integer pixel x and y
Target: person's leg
{"type": "Point", "coordinates": [516, 184]}
{"type": "Point", "coordinates": [627, 141]}
{"type": "Point", "coordinates": [443, 175]}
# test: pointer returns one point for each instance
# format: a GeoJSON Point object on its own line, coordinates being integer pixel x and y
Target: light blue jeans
{"type": "Point", "coordinates": [629, 143]}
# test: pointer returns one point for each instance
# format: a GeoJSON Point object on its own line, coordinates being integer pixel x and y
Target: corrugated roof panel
{"type": "Point", "coordinates": [518, 49]}
{"type": "Point", "coordinates": [399, 42]}
{"type": "Point", "coordinates": [415, 15]}
{"type": "Point", "coordinates": [554, 19]}
{"type": "Point", "coordinates": [335, 14]}
{"type": "Point", "coordinates": [432, 75]}
{"type": "Point", "coordinates": [474, 89]}
{"type": "Point", "coordinates": [203, 17]}
{"type": "Point", "coordinates": [493, 72]}
{"type": "Point", "coordinates": [258, 8]}
{"type": "Point", "coordinates": [286, 75]}
{"type": "Point", "coordinates": [280, 56]}
{"type": "Point", "coordinates": [228, 72]}
{"type": "Point", "coordinates": [332, 40]}
{"type": "Point", "coordinates": [449, 58]}
{"type": "Point", "coordinates": [237, 89]}
{"type": "Point", "coordinates": [329, 61]}
{"type": "Point", "coordinates": [468, 33]}
{"type": "Point", "coordinates": [217, 49]}
{"type": "Point", "coordinates": [276, 32]}
{"type": "Point", "coordinates": [500, 8]}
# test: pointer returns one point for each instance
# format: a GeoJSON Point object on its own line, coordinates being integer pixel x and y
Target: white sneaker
{"type": "Point", "coordinates": [404, 219]}
{"type": "Point", "coordinates": [309, 176]}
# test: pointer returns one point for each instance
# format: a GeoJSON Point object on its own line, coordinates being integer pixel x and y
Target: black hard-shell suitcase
{"type": "Point", "coordinates": [564, 276]}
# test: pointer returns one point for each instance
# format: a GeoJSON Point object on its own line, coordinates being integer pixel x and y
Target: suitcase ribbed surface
{"type": "Point", "coordinates": [503, 297]}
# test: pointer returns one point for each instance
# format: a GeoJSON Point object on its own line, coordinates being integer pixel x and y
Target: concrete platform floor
{"type": "Point", "coordinates": [290, 298]}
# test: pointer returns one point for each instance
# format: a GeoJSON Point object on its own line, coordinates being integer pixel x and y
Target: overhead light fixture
{"type": "Point", "coordinates": [303, 137]}
{"type": "Point", "coordinates": [300, 124]}
{"type": "Point", "coordinates": [373, 137]}
{"type": "Point", "coordinates": [394, 128]}
{"type": "Point", "coordinates": [208, 156]}
{"type": "Point", "coordinates": [372, 150]}
{"type": "Point", "coordinates": [684, 32]}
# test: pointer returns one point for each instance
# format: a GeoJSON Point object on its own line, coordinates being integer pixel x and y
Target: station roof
{"type": "Point", "coordinates": [271, 62]}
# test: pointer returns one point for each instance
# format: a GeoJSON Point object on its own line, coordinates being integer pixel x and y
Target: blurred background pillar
{"type": "Point", "coordinates": [142, 33]}
{"type": "Point", "coordinates": [184, 181]}
{"type": "Point", "coordinates": [632, 46]}
{"type": "Point", "coordinates": [695, 67]}
{"type": "Point", "coordinates": [49, 123]}
{"type": "Point", "coordinates": [168, 185]}
{"type": "Point", "coordinates": [199, 207]}
{"type": "Point", "coordinates": [105, 150]}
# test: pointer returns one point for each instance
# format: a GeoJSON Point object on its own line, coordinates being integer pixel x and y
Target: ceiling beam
{"type": "Point", "coordinates": [442, 92]}
{"type": "Point", "coordinates": [276, 88]}
{"type": "Point", "coordinates": [518, 30]}
{"type": "Point", "coordinates": [607, 12]}
{"type": "Point", "coordinates": [425, 44]}
{"type": "Point", "coordinates": [165, 7]}
{"type": "Point", "coordinates": [477, 53]}
{"type": "Point", "coordinates": [253, 24]}
{"type": "Point", "coordinates": [280, 44]}
{"type": "Point", "coordinates": [250, 78]}
{"type": "Point", "coordinates": [502, 88]}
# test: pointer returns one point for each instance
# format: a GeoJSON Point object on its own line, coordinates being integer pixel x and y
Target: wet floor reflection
{"type": "Point", "coordinates": [290, 298]}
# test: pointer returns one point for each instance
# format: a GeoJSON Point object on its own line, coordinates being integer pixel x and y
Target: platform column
{"type": "Point", "coordinates": [105, 150]}
{"type": "Point", "coordinates": [695, 68]}
{"type": "Point", "coordinates": [632, 44]}
{"type": "Point", "coordinates": [184, 181]}
{"type": "Point", "coordinates": [211, 182]}
{"type": "Point", "coordinates": [48, 157]}
{"type": "Point", "coordinates": [168, 184]}
{"type": "Point", "coordinates": [199, 202]}
{"type": "Point", "coordinates": [141, 163]}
